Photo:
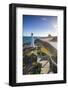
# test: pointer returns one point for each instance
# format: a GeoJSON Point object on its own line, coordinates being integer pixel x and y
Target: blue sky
{"type": "Point", "coordinates": [39, 25]}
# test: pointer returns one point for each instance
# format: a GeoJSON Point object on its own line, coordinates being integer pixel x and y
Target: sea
{"type": "Point", "coordinates": [28, 39]}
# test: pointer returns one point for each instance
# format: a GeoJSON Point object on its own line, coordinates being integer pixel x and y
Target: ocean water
{"type": "Point", "coordinates": [28, 40]}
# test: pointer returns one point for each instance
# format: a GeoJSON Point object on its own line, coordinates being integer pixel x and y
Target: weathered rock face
{"type": "Point", "coordinates": [46, 45]}
{"type": "Point", "coordinates": [54, 39]}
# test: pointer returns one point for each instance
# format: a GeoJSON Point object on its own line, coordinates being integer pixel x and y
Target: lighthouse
{"type": "Point", "coordinates": [32, 40]}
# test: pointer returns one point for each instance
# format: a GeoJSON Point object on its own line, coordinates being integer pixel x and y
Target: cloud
{"type": "Point", "coordinates": [54, 26]}
{"type": "Point", "coordinates": [44, 19]}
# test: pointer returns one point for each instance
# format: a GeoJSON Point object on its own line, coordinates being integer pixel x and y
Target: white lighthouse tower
{"type": "Point", "coordinates": [32, 40]}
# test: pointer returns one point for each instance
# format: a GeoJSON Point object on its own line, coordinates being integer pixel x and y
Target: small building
{"type": "Point", "coordinates": [49, 36]}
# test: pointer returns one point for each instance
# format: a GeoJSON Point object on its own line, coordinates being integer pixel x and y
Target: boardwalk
{"type": "Point", "coordinates": [45, 67]}
{"type": "Point", "coordinates": [46, 63]}
{"type": "Point", "coordinates": [48, 53]}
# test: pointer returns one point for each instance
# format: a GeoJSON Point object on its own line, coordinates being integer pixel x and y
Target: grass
{"type": "Point", "coordinates": [44, 50]}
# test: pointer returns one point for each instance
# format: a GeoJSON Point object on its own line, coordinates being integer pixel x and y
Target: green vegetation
{"type": "Point", "coordinates": [30, 65]}
{"type": "Point", "coordinates": [36, 68]}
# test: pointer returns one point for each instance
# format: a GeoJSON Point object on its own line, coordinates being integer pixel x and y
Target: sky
{"type": "Point", "coordinates": [39, 25]}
